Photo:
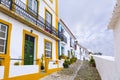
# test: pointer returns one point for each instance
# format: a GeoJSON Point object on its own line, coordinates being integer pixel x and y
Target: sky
{"type": "Point", "coordinates": [88, 20]}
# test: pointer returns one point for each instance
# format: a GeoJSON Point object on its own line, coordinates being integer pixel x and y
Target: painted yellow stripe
{"type": "Point", "coordinates": [6, 56]}
{"type": "Point", "coordinates": [57, 28]}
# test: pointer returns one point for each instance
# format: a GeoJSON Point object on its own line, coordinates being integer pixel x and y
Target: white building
{"type": "Point", "coordinates": [78, 52]}
{"type": "Point", "coordinates": [28, 29]}
{"type": "Point", "coordinates": [81, 52]}
{"type": "Point", "coordinates": [67, 43]}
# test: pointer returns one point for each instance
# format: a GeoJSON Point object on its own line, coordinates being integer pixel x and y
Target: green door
{"type": "Point", "coordinates": [29, 50]}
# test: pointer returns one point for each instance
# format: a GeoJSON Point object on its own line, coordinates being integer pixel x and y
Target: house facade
{"type": "Point", "coordinates": [68, 44]}
{"type": "Point", "coordinates": [28, 37]}
{"type": "Point", "coordinates": [81, 53]}
{"type": "Point", "coordinates": [77, 50]}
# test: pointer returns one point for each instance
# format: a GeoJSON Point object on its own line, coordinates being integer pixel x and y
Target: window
{"type": "Point", "coordinates": [3, 38]}
{"type": "Point", "coordinates": [62, 31]}
{"type": "Point", "coordinates": [71, 42]}
{"type": "Point", "coordinates": [72, 53]}
{"type": "Point", "coordinates": [68, 53]}
{"type": "Point", "coordinates": [48, 19]}
{"type": "Point", "coordinates": [33, 6]}
{"type": "Point", "coordinates": [48, 49]}
{"type": "Point", "coordinates": [62, 50]}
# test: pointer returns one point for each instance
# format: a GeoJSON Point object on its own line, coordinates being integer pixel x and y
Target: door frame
{"type": "Point", "coordinates": [35, 47]}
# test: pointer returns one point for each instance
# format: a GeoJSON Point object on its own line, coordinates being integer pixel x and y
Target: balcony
{"type": "Point", "coordinates": [19, 8]}
{"type": "Point", "coordinates": [63, 38]}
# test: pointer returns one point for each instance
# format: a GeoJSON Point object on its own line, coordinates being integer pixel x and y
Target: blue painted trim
{"type": "Point", "coordinates": [59, 45]}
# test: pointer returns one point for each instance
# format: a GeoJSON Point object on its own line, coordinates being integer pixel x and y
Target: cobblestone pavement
{"type": "Point", "coordinates": [65, 74]}
{"type": "Point", "coordinates": [87, 72]}
{"type": "Point", "coordinates": [77, 71]}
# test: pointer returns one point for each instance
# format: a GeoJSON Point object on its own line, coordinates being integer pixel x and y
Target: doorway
{"type": "Point", "coordinates": [29, 50]}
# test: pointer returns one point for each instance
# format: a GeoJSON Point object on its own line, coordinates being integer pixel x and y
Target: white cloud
{"type": "Point", "coordinates": [88, 21]}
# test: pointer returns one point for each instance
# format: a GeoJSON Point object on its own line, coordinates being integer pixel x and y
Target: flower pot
{"type": "Point", "coordinates": [42, 67]}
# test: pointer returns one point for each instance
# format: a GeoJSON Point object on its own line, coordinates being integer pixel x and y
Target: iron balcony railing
{"type": "Point", "coordinates": [30, 15]}
{"type": "Point", "coordinates": [63, 37]}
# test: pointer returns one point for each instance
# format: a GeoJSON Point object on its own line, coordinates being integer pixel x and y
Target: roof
{"type": "Point", "coordinates": [115, 16]}
{"type": "Point", "coordinates": [81, 46]}
{"type": "Point", "coordinates": [67, 28]}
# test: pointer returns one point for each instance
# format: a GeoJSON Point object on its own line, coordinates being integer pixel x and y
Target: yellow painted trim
{"type": "Point", "coordinates": [46, 40]}
{"type": "Point", "coordinates": [27, 5]}
{"type": "Point", "coordinates": [46, 64]}
{"type": "Point", "coordinates": [47, 59]}
{"type": "Point", "coordinates": [46, 10]}
{"type": "Point", "coordinates": [57, 28]}
{"type": "Point", "coordinates": [35, 76]}
{"type": "Point", "coordinates": [22, 20]}
{"type": "Point", "coordinates": [56, 50]}
{"type": "Point", "coordinates": [23, 43]}
{"type": "Point", "coordinates": [49, 7]}
{"type": "Point", "coordinates": [56, 10]}
{"type": "Point", "coordinates": [13, 6]}
{"type": "Point", "coordinates": [51, 1]}
{"type": "Point", "coordinates": [6, 61]}
{"type": "Point", "coordinates": [8, 37]}
{"type": "Point", "coordinates": [38, 7]}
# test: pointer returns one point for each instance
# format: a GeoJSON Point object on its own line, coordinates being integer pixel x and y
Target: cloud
{"type": "Point", "coordinates": [88, 20]}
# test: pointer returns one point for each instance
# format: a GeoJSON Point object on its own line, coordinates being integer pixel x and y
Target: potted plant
{"type": "Point", "coordinates": [66, 64]}
{"type": "Point", "coordinates": [92, 62]}
{"type": "Point", "coordinates": [63, 56]}
{"type": "Point", "coordinates": [73, 59]}
{"type": "Point", "coordinates": [42, 64]}
{"type": "Point", "coordinates": [16, 63]}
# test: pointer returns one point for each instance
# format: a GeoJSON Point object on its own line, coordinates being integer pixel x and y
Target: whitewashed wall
{"type": "Point", "coordinates": [1, 72]}
{"type": "Point", "coordinates": [52, 64]}
{"type": "Point", "coordinates": [107, 67]}
{"type": "Point", "coordinates": [16, 39]}
{"type": "Point", "coordinates": [51, 7]}
{"type": "Point", "coordinates": [16, 42]}
{"type": "Point", "coordinates": [23, 70]}
{"type": "Point", "coordinates": [67, 46]}
{"type": "Point", "coordinates": [43, 5]}
{"type": "Point", "coordinates": [60, 63]}
{"type": "Point", "coordinates": [116, 31]}
{"type": "Point", "coordinates": [77, 52]}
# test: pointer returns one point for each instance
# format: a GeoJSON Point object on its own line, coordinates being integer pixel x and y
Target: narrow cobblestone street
{"type": "Point", "coordinates": [65, 74]}
{"type": "Point", "coordinates": [87, 72]}
{"type": "Point", "coordinates": [77, 71]}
